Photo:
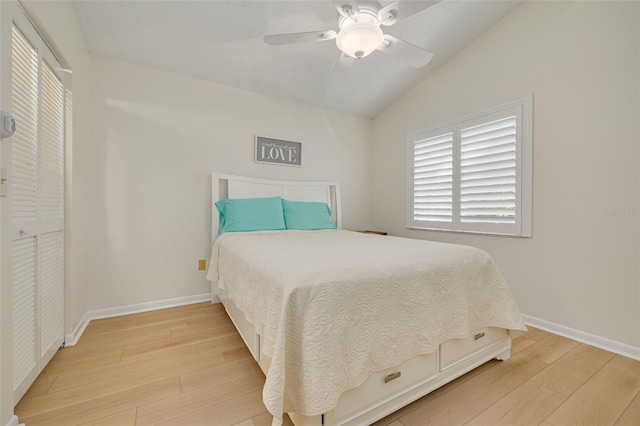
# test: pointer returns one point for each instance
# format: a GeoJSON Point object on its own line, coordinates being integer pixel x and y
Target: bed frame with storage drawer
{"type": "Point", "coordinates": [391, 389]}
{"type": "Point", "coordinates": [385, 391]}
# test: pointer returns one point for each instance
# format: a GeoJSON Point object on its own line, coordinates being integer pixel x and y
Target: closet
{"type": "Point", "coordinates": [34, 209]}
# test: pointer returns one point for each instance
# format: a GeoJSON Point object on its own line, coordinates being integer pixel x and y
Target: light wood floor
{"type": "Point", "coordinates": [188, 366]}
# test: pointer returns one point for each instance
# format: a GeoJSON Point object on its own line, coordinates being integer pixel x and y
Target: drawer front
{"type": "Point", "coordinates": [455, 351]}
{"type": "Point", "coordinates": [385, 385]}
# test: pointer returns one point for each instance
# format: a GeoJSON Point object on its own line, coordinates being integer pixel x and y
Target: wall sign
{"type": "Point", "coordinates": [276, 151]}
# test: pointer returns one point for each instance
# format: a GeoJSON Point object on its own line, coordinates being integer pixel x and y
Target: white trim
{"type": "Point", "coordinates": [46, 37]}
{"type": "Point", "coordinates": [561, 330]}
{"type": "Point", "coordinates": [13, 421]}
{"type": "Point", "coordinates": [526, 168]}
{"type": "Point", "coordinates": [73, 338]}
{"type": "Point", "coordinates": [583, 337]}
{"type": "Point", "coordinates": [148, 306]}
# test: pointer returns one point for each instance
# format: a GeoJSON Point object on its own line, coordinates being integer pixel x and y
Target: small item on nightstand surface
{"type": "Point", "coordinates": [366, 231]}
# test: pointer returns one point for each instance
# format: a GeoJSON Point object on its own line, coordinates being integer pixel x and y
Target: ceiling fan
{"type": "Point", "coordinates": [359, 33]}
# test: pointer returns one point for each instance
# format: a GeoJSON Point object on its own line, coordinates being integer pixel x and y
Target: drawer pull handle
{"type": "Point", "coordinates": [478, 336]}
{"type": "Point", "coordinates": [392, 376]}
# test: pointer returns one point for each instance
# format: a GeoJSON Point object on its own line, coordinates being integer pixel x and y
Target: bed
{"type": "Point", "coordinates": [349, 327]}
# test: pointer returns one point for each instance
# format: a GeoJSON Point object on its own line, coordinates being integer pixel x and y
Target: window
{"type": "Point", "coordinates": [474, 174]}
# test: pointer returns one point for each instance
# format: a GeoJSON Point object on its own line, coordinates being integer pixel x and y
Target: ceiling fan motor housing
{"type": "Point", "coordinates": [360, 33]}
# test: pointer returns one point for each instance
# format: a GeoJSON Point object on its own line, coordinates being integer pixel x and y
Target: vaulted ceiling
{"type": "Point", "coordinates": [222, 42]}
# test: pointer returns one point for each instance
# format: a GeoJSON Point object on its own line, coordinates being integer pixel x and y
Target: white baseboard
{"type": "Point", "coordinates": [571, 333]}
{"type": "Point", "coordinates": [73, 338]}
{"type": "Point", "coordinates": [583, 337]}
{"type": "Point", "coordinates": [148, 306]}
{"type": "Point", "coordinates": [13, 421]}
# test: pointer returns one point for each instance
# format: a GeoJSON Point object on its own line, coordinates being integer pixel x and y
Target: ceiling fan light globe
{"type": "Point", "coordinates": [359, 39]}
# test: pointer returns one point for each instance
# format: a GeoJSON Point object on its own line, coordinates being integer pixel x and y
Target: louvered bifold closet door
{"type": "Point", "coordinates": [51, 245]}
{"type": "Point", "coordinates": [25, 358]}
{"type": "Point", "coordinates": [37, 193]}
{"type": "Point", "coordinates": [51, 282]}
{"type": "Point", "coordinates": [51, 154]}
{"type": "Point", "coordinates": [24, 174]}
{"type": "Point", "coordinates": [488, 174]}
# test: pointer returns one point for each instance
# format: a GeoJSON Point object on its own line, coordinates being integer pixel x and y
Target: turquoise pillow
{"type": "Point", "coordinates": [251, 214]}
{"type": "Point", "coordinates": [307, 216]}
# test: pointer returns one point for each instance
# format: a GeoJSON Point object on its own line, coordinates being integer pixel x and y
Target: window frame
{"type": "Point", "coordinates": [522, 109]}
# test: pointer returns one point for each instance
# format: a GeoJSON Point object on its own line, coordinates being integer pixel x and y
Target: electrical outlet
{"type": "Point", "coordinates": [202, 264]}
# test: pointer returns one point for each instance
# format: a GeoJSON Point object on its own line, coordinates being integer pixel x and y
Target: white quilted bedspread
{"type": "Point", "coordinates": [333, 307]}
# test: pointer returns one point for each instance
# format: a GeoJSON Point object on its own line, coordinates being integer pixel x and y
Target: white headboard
{"type": "Point", "coordinates": [232, 186]}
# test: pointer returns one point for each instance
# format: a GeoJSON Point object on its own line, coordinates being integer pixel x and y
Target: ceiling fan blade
{"type": "Point", "coordinates": [397, 10]}
{"type": "Point", "coordinates": [292, 38]}
{"type": "Point", "coordinates": [342, 67]}
{"type": "Point", "coordinates": [413, 55]}
{"type": "Point", "coordinates": [346, 8]}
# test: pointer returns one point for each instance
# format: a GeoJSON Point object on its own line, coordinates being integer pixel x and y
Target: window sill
{"type": "Point", "coordinates": [457, 231]}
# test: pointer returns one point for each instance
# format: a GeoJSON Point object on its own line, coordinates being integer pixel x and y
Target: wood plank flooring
{"type": "Point", "coordinates": [188, 366]}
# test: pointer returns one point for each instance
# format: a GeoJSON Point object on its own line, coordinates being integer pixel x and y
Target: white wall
{"type": "Point", "coordinates": [157, 137]}
{"type": "Point", "coordinates": [57, 22]}
{"type": "Point", "coordinates": [581, 62]}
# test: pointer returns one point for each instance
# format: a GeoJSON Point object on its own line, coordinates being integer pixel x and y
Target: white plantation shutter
{"type": "Point", "coordinates": [488, 172]}
{"type": "Point", "coordinates": [433, 179]}
{"type": "Point", "coordinates": [474, 174]}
